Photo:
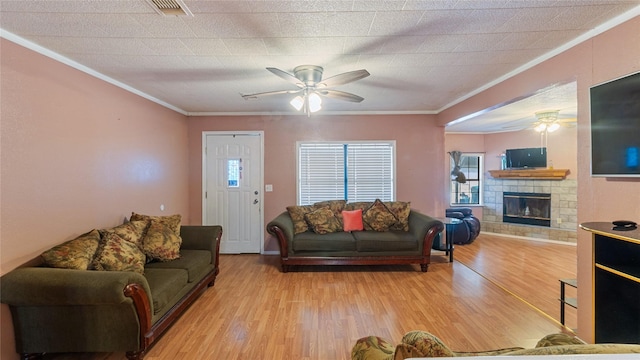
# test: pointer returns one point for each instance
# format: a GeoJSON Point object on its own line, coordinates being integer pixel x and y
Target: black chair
{"type": "Point", "coordinates": [468, 230]}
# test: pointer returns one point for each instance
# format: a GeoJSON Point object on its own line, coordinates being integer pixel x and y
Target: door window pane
{"type": "Point", "coordinates": [234, 172]}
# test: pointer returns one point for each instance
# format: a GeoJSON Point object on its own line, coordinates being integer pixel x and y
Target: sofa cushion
{"type": "Point", "coordinates": [387, 241]}
{"type": "Point", "coordinates": [378, 217]}
{"type": "Point", "coordinates": [352, 220]}
{"type": "Point", "coordinates": [401, 210]}
{"type": "Point", "coordinates": [74, 254]}
{"type": "Point", "coordinates": [160, 242]}
{"type": "Point", "coordinates": [297, 216]}
{"type": "Point", "coordinates": [196, 262]}
{"type": "Point", "coordinates": [118, 254]}
{"type": "Point", "coordinates": [132, 231]}
{"type": "Point", "coordinates": [323, 221]}
{"type": "Point", "coordinates": [338, 241]}
{"type": "Point", "coordinates": [172, 221]}
{"type": "Point", "coordinates": [164, 285]}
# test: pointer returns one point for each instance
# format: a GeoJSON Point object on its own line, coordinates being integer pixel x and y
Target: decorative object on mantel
{"type": "Point", "coordinates": [532, 174]}
{"type": "Point", "coordinates": [456, 173]}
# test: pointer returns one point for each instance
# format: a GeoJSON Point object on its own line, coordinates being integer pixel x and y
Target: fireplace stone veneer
{"type": "Point", "coordinates": [563, 223]}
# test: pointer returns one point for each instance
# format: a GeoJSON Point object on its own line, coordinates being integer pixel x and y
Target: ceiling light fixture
{"type": "Point", "coordinates": [308, 102]}
{"type": "Point", "coordinates": [547, 123]}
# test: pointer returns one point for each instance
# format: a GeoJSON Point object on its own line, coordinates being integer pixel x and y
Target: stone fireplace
{"type": "Point", "coordinates": [526, 208]}
{"type": "Point", "coordinates": [562, 212]}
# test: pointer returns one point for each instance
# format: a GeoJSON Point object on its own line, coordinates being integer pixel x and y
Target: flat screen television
{"type": "Point", "coordinates": [615, 127]}
{"type": "Point", "coordinates": [528, 158]}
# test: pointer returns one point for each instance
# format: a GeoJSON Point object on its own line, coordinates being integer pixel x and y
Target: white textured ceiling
{"type": "Point", "coordinates": [423, 56]}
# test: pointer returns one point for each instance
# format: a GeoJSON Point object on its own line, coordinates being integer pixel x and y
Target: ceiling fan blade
{"type": "Point", "coordinates": [256, 95]}
{"type": "Point", "coordinates": [286, 76]}
{"type": "Point", "coordinates": [343, 78]}
{"type": "Point", "coordinates": [340, 95]}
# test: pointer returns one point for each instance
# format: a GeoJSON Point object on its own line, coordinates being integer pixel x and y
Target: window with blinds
{"type": "Point", "coordinates": [358, 171]}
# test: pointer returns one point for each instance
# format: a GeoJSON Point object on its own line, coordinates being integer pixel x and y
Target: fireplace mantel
{"type": "Point", "coordinates": [532, 174]}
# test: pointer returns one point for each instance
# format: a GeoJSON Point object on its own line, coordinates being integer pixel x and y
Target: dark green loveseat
{"type": "Point", "coordinates": [357, 247]}
{"type": "Point", "coordinates": [65, 310]}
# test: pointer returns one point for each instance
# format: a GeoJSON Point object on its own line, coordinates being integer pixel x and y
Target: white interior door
{"type": "Point", "coordinates": [232, 184]}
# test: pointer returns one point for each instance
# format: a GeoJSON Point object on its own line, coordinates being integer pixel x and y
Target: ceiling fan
{"type": "Point", "coordinates": [548, 121]}
{"type": "Point", "coordinates": [311, 86]}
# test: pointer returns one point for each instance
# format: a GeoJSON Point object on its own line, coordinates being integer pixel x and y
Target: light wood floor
{"type": "Point", "coordinates": [317, 313]}
{"type": "Point", "coordinates": [530, 270]}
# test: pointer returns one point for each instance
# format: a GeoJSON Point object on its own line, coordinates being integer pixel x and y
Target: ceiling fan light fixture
{"type": "Point", "coordinates": [540, 127]}
{"type": "Point", "coordinates": [548, 116]}
{"type": "Point", "coordinates": [553, 127]}
{"type": "Point", "coordinates": [297, 102]}
{"type": "Point", "coordinates": [315, 102]}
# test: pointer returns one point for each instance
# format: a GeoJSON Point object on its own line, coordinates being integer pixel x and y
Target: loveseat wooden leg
{"type": "Point", "coordinates": [424, 267]}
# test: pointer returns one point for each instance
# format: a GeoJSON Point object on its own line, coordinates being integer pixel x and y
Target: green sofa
{"type": "Point", "coordinates": [411, 245]}
{"type": "Point", "coordinates": [56, 310]}
{"type": "Point", "coordinates": [419, 344]}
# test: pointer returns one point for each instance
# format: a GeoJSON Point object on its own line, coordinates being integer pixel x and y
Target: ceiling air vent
{"type": "Point", "coordinates": [170, 7]}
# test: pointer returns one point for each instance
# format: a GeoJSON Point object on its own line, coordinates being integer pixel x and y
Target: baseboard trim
{"type": "Point", "coordinates": [529, 238]}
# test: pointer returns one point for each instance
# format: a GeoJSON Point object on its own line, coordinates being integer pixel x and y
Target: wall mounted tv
{"type": "Point", "coordinates": [528, 158]}
{"type": "Point", "coordinates": [615, 127]}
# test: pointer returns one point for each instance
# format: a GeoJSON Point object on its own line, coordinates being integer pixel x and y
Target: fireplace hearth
{"type": "Point", "coordinates": [527, 208]}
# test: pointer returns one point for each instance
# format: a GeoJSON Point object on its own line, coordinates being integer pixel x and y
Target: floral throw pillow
{"type": "Point", "coordinates": [171, 221]}
{"type": "Point", "coordinates": [132, 231]}
{"type": "Point", "coordinates": [118, 254]}
{"type": "Point", "coordinates": [335, 205]}
{"type": "Point", "coordinates": [160, 242]}
{"type": "Point", "coordinates": [378, 217]}
{"type": "Point", "coordinates": [363, 205]}
{"type": "Point", "coordinates": [74, 254]}
{"type": "Point", "coordinates": [323, 221]}
{"type": "Point", "coordinates": [297, 216]}
{"type": "Point", "coordinates": [401, 211]}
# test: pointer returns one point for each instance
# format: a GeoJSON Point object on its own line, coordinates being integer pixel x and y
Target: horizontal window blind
{"type": "Point", "coordinates": [321, 172]}
{"type": "Point", "coordinates": [351, 171]}
{"type": "Point", "coordinates": [370, 172]}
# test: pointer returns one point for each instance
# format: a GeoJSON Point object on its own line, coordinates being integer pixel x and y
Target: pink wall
{"type": "Point", "coordinates": [419, 148]}
{"type": "Point", "coordinates": [78, 154]}
{"type": "Point", "coordinates": [610, 55]}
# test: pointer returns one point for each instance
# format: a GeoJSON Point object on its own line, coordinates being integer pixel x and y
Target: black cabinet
{"type": "Point", "coordinates": [616, 284]}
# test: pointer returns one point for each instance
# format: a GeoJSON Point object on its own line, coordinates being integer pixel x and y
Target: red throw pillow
{"type": "Point", "coordinates": [352, 220]}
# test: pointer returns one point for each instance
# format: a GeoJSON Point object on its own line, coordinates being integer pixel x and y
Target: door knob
{"type": "Point", "coordinates": [255, 201]}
